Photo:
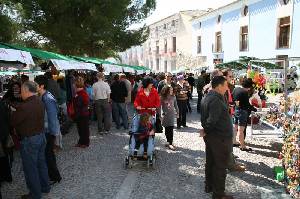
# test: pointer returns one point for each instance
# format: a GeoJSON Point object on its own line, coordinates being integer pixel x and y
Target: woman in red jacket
{"type": "Point", "coordinates": [81, 103]}
{"type": "Point", "coordinates": [147, 99]}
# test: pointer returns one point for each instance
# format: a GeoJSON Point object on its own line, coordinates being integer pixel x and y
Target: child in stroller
{"type": "Point", "coordinates": [142, 136]}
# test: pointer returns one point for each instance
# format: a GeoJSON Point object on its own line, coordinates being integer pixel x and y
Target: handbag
{"type": "Point", "coordinates": [158, 126]}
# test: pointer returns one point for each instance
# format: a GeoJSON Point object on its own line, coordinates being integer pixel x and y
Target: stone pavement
{"type": "Point", "coordinates": [98, 172]}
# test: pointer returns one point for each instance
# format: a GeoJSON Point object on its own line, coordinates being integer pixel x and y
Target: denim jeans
{"type": "Point", "coordinates": [150, 146]}
{"type": "Point", "coordinates": [34, 165]}
{"type": "Point", "coordinates": [119, 110]}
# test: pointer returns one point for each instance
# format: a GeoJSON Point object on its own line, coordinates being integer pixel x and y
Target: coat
{"type": "Point", "coordinates": [151, 101]}
{"type": "Point", "coordinates": [169, 110]}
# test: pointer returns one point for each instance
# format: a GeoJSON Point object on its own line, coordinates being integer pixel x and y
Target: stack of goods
{"type": "Point", "coordinates": [290, 154]}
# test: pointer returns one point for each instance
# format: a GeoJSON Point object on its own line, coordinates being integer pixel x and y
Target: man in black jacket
{"type": "Point", "coordinates": [118, 95]}
{"type": "Point", "coordinates": [218, 131]}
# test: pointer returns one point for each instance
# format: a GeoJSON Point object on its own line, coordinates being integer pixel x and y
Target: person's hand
{"type": "Point", "coordinates": [202, 133]}
{"type": "Point", "coordinates": [139, 108]}
{"type": "Point", "coordinates": [152, 132]}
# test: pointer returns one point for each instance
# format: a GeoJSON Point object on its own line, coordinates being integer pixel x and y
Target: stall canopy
{"type": "Point", "coordinates": [61, 62]}
{"type": "Point", "coordinates": [12, 55]}
{"type": "Point", "coordinates": [244, 62]}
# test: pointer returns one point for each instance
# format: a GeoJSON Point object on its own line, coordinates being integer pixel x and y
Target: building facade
{"type": "Point", "coordinates": [255, 28]}
{"type": "Point", "coordinates": [168, 46]}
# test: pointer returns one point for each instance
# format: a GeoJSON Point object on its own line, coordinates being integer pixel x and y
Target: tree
{"type": "Point", "coordinates": [85, 27]}
{"type": "Point", "coordinates": [9, 26]}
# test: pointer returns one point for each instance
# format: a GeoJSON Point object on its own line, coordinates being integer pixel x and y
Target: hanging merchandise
{"type": "Point", "coordinates": [290, 154]}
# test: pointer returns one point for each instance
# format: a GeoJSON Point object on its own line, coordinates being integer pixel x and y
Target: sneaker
{"type": "Point", "coordinates": [106, 132]}
{"type": "Point", "coordinates": [171, 147]}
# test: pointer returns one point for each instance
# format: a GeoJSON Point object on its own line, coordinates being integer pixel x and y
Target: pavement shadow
{"type": "Point", "coordinates": [260, 178]}
{"type": "Point", "coordinates": [275, 146]}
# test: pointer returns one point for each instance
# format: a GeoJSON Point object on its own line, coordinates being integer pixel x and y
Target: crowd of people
{"type": "Point", "coordinates": [35, 114]}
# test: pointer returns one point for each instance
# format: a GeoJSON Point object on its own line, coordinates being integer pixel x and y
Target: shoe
{"type": "Point", "coordinates": [185, 126]}
{"type": "Point", "coordinates": [26, 196]}
{"type": "Point", "coordinates": [246, 149]}
{"type": "Point", "coordinates": [167, 145]}
{"type": "Point", "coordinates": [236, 145]}
{"type": "Point", "coordinates": [238, 168]}
{"type": "Point", "coordinates": [178, 127]}
{"type": "Point", "coordinates": [52, 182]}
{"type": "Point", "coordinates": [223, 197]}
{"type": "Point", "coordinates": [106, 132]}
{"type": "Point", "coordinates": [171, 147]}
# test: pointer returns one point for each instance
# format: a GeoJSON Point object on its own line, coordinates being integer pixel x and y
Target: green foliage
{"type": "Point", "coordinates": [97, 28]}
{"type": "Point", "coordinates": [8, 24]}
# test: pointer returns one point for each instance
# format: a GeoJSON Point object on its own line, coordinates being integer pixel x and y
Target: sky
{"type": "Point", "coordinates": [165, 8]}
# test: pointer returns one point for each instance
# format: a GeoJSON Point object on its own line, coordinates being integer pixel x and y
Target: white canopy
{"type": "Point", "coordinates": [111, 68]}
{"type": "Point", "coordinates": [128, 70]}
{"type": "Point", "coordinates": [72, 65]}
{"type": "Point", "coordinates": [12, 55]}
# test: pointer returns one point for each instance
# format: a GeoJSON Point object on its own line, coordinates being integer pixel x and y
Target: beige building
{"type": "Point", "coordinates": [168, 46]}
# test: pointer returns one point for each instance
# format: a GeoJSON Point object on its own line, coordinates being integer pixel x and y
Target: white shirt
{"type": "Point", "coordinates": [101, 90]}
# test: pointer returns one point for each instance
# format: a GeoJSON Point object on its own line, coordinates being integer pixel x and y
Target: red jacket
{"type": "Point", "coordinates": [81, 103]}
{"type": "Point", "coordinates": [151, 101]}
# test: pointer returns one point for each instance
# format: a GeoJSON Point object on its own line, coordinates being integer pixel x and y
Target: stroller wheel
{"type": "Point", "coordinates": [150, 161]}
{"type": "Point", "coordinates": [127, 163]}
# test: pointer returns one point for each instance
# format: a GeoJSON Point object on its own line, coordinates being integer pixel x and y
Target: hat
{"type": "Point", "coordinates": [180, 77]}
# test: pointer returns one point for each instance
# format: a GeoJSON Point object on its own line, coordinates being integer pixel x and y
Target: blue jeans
{"type": "Point", "coordinates": [150, 147]}
{"type": "Point", "coordinates": [119, 110]}
{"type": "Point", "coordinates": [34, 165]}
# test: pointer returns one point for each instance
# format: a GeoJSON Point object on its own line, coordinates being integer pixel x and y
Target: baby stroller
{"type": "Point", "coordinates": [141, 141]}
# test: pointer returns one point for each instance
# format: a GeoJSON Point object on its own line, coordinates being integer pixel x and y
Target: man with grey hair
{"type": "Point", "coordinates": [101, 95]}
{"type": "Point", "coordinates": [28, 120]}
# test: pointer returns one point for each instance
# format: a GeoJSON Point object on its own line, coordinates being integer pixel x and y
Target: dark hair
{"type": "Point", "coordinates": [147, 81]}
{"type": "Point", "coordinates": [226, 71]}
{"type": "Point", "coordinates": [116, 77]}
{"type": "Point", "coordinates": [247, 83]}
{"type": "Point", "coordinates": [217, 80]}
{"type": "Point", "coordinates": [41, 80]}
{"type": "Point", "coordinates": [203, 72]}
{"type": "Point", "coordinates": [30, 86]}
{"type": "Point", "coordinates": [48, 75]}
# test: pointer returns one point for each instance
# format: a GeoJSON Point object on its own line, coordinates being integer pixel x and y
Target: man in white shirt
{"type": "Point", "coordinates": [101, 95]}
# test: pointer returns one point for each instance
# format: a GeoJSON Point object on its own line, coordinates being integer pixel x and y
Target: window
{"type": "Point", "coordinates": [218, 42]}
{"type": "Point", "coordinates": [165, 26]}
{"type": "Point", "coordinates": [244, 38]}
{"type": "Point", "coordinates": [173, 22]}
{"type": "Point", "coordinates": [245, 11]}
{"type": "Point", "coordinates": [284, 2]}
{"type": "Point", "coordinates": [157, 47]}
{"type": "Point", "coordinates": [199, 44]}
{"type": "Point", "coordinates": [157, 64]}
{"type": "Point", "coordinates": [166, 46]}
{"type": "Point", "coordinates": [219, 19]}
{"type": "Point", "coordinates": [283, 35]}
{"type": "Point", "coordinates": [166, 66]}
{"type": "Point", "coordinates": [174, 44]}
{"type": "Point", "coordinates": [281, 59]}
{"type": "Point", "coordinates": [156, 31]}
{"type": "Point", "coordinates": [200, 25]}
